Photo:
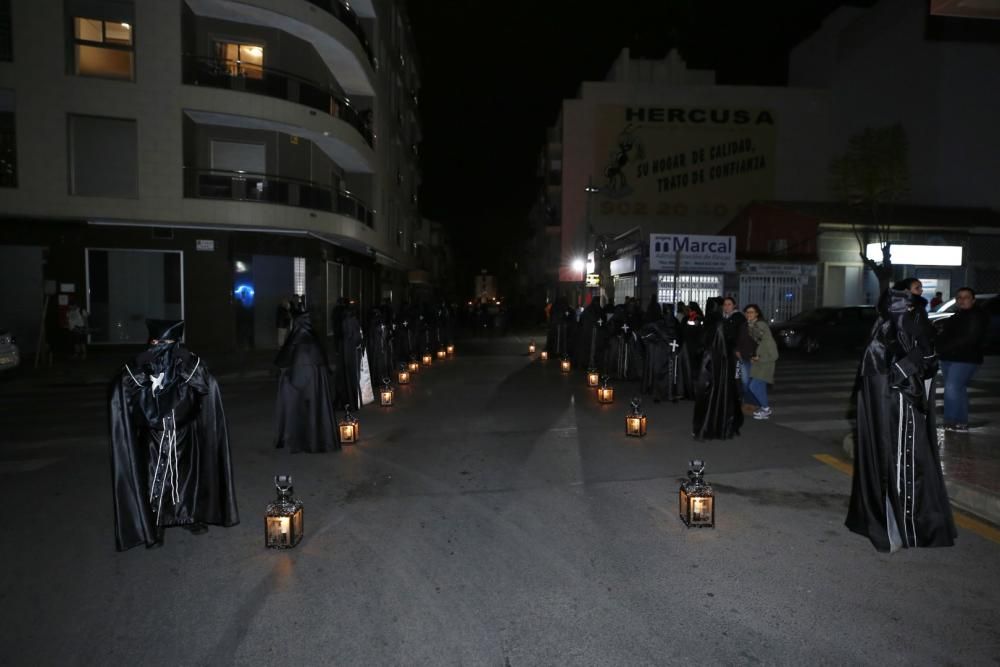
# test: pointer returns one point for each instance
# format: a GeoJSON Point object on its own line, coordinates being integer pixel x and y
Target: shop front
{"type": "Point", "coordinates": [688, 267]}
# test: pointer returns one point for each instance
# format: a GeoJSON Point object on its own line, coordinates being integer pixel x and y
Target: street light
{"type": "Point", "coordinates": [578, 265]}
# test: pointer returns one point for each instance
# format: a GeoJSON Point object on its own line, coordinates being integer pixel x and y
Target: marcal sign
{"type": "Point", "coordinates": [696, 253]}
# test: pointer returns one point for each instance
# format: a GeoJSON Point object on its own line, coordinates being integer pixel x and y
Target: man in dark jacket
{"type": "Point", "coordinates": [960, 349]}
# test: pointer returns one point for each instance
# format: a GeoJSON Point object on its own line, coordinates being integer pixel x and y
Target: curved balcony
{"type": "Point", "coordinates": [233, 75]}
{"type": "Point", "coordinates": [271, 189]}
{"type": "Point", "coordinates": [346, 15]}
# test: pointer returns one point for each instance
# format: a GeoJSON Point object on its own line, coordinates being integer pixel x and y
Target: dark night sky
{"type": "Point", "coordinates": [494, 73]}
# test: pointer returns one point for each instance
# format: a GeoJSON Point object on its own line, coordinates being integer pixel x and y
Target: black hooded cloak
{"type": "Point", "coordinates": [663, 350]}
{"type": "Point", "coordinates": [558, 342]}
{"type": "Point", "coordinates": [304, 416]}
{"type": "Point", "coordinates": [380, 343]}
{"type": "Point", "coordinates": [624, 350]}
{"type": "Point", "coordinates": [352, 347]}
{"type": "Point", "coordinates": [170, 459]}
{"type": "Point", "coordinates": [717, 411]}
{"type": "Point", "coordinates": [591, 337]}
{"type": "Point", "coordinates": [898, 496]}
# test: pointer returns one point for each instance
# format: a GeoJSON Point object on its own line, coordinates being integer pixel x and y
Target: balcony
{"type": "Point", "coordinates": [233, 75]}
{"type": "Point", "coordinates": [270, 189]}
{"type": "Point", "coordinates": [347, 16]}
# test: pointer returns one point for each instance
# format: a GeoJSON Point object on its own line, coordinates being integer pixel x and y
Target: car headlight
{"type": "Point", "coordinates": [788, 333]}
{"type": "Point", "coordinates": [6, 339]}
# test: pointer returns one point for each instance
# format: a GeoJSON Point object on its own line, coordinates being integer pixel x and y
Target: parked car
{"type": "Point", "coordinates": [10, 356]}
{"type": "Point", "coordinates": [988, 302]}
{"type": "Point", "coordinates": [826, 328]}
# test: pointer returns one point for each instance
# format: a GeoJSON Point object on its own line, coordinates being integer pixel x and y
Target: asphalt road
{"type": "Point", "coordinates": [496, 516]}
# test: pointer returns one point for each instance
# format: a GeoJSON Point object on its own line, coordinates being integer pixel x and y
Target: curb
{"type": "Point", "coordinates": [966, 497]}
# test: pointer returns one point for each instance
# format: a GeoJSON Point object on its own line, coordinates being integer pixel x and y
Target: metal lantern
{"type": "Point", "coordinates": [428, 358]}
{"type": "Point", "coordinates": [385, 394]}
{"type": "Point", "coordinates": [697, 500]}
{"type": "Point", "coordinates": [545, 355]}
{"type": "Point", "coordinates": [531, 347]}
{"type": "Point", "coordinates": [635, 421]}
{"type": "Point", "coordinates": [413, 366]}
{"type": "Point", "coordinates": [442, 353]}
{"type": "Point", "coordinates": [283, 517]}
{"type": "Point", "coordinates": [605, 393]}
{"type": "Point", "coordinates": [593, 379]}
{"type": "Point", "coordinates": [564, 365]}
{"type": "Point", "coordinates": [451, 350]}
{"type": "Point", "coordinates": [403, 376]}
{"type": "Point", "coordinates": [350, 428]}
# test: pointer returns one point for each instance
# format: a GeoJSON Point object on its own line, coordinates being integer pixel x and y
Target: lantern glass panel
{"type": "Point", "coordinates": [451, 349]}
{"type": "Point", "coordinates": [545, 355]}
{"type": "Point", "coordinates": [385, 397]}
{"type": "Point", "coordinates": [348, 432]}
{"type": "Point", "coordinates": [283, 524]}
{"type": "Point", "coordinates": [635, 425]}
{"type": "Point", "coordinates": [404, 377]}
{"type": "Point", "coordinates": [593, 379]}
{"type": "Point", "coordinates": [414, 367]}
{"type": "Point", "coordinates": [427, 359]}
{"type": "Point", "coordinates": [531, 349]}
{"type": "Point", "coordinates": [697, 505]}
{"type": "Point", "coordinates": [565, 365]}
{"type": "Point", "coordinates": [442, 353]}
{"type": "Point", "coordinates": [605, 394]}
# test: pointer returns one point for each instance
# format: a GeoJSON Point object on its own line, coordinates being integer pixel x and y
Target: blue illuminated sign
{"type": "Point", "coordinates": [244, 292]}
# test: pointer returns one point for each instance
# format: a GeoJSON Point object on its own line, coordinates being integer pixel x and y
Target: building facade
{"type": "Point", "coordinates": [205, 159]}
{"type": "Point", "coordinates": [658, 148]}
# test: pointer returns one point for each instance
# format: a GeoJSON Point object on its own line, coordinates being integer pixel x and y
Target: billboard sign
{"type": "Point", "coordinates": [697, 254]}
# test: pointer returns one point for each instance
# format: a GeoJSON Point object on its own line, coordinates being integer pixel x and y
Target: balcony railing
{"type": "Point", "coordinates": [245, 186]}
{"type": "Point", "coordinates": [234, 75]}
{"type": "Point", "coordinates": [347, 16]}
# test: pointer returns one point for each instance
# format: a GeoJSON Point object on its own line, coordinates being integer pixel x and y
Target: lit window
{"type": "Point", "coordinates": [103, 48]}
{"type": "Point", "coordinates": [246, 60]}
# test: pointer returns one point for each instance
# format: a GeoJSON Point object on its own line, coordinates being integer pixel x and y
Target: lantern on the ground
{"type": "Point", "coordinates": [283, 517]}
{"type": "Point", "coordinates": [350, 428]}
{"type": "Point", "coordinates": [545, 355]}
{"type": "Point", "coordinates": [531, 347]}
{"type": "Point", "coordinates": [385, 394]}
{"type": "Point", "coordinates": [593, 379]}
{"type": "Point", "coordinates": [635, 421]}
{"type": "Point", "coordinates": [403, 375]}
{"type": "Point", "coordinates": [564, 365]}
{"type": "Point", "coordinates": [605, 393]}
{"type": "Point", "coordinates": [697, 500]}
{"type": "Point", "coordinates": [413, 366]}
{"type": "Point", "coordinates": [428, 358]}
{"type": "Point", "coordinates": [442, 353]}
{"type": "Point", "coordinates": [451, 350]}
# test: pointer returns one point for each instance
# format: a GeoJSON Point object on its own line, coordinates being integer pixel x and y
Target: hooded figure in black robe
{"type": "Point", "coordinates": [590, 337]}
{"type": "Point", "coordinates": [304, 416]}
{"type": "Point", "coordinates": [352, 343]}
{"type": "Point", "coordinates": [717, 411]}
{"type": "Point", "coordinates": [445, 325]}
{"type": "Point", "coordinates": [170, 459]}
{"type": "Point", "coordinates": [558, 342]}
{"type": "Point", "coordinates": [624, 351]}
{"type": "Point", "coordinates": [380, 357]}
{"type": "Point", "coordinates": [402, 338]}
{"type": "Point", "coordinates": [663, 350]}
{"type": "Point", "coordinates": [898, 496]}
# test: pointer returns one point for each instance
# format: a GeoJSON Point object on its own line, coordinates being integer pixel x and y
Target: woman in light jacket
{"type": "Point", "coordinates": [763, 360]}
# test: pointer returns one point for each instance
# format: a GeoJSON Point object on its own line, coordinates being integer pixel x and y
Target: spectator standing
{"type": "Point", "coordinates": [936, 301]}
{"type": "Point", "coordinates": [76, 322]}
{"type": "Point", "coordinates": [960, 349]}
{"type": "Point", "coordinates": [762, 361]}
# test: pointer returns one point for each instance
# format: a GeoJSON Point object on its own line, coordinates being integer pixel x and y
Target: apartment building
{"type": "Point", "coordinates": [204, 159]}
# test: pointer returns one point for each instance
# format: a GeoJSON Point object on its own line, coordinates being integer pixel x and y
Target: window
{"type": "Point", "coordinates": [103, 48]}
{"type": "Point", "coordinates": [246, 60]}
{"type": "Point", "coordinates": [102, 157]}
{"type": "Point", "coordinates": [8, 141]}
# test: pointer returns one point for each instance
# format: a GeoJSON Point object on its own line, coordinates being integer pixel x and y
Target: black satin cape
{"type": "Point", "coordinates": [170, 457]}
{"type": "Point", "coordinates": [380, 344]}
{"type": "Point", "coordinates": [624, 354]}
{"type": "Point", "coordinates": [303, 413]}
{"type": "Point", "coordinates": [717, 411]}
{"type": "Point", "coordinates": [898, 496]}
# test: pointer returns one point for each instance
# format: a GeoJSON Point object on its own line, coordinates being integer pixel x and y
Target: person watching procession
{"type": "Point", "coordinates": [960, 349]}
{"type": "Point", "coordinates": [762, 361]}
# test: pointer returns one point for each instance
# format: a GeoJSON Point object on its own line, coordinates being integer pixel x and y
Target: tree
{"type": "Point", "coordinates": [873, 175]}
